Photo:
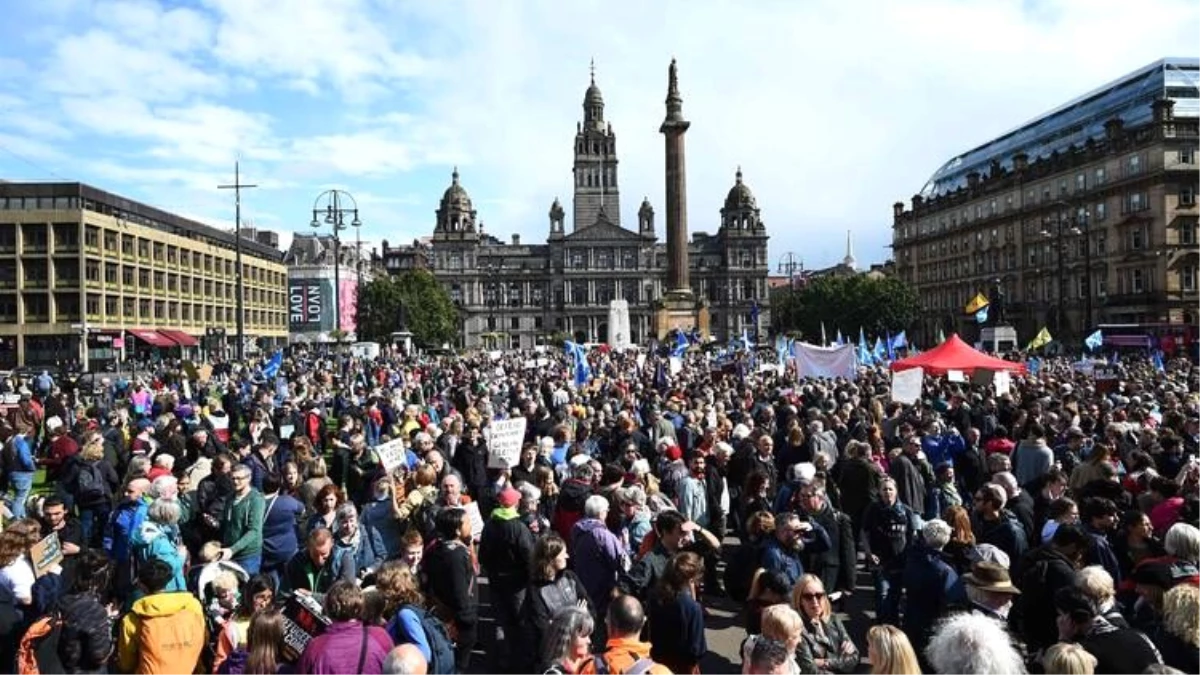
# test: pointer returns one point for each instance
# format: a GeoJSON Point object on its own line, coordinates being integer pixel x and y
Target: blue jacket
{"type": "Point", "coordinates": [928, 582]}
{"type": "Point", "coordinates": [598, 556]}
{"type": "Point", "coordinates": [379, 520]}
{"type": "Point", "coordinates": [776, 559]}
{"type": "Point", "coordinates": [368, 553]}
{"type": "Point", "coordinates": [23, 452]}
{"type": "Point", "coordinates": [281, 529]}
{"type": "Point", "coordinates": [154, 540]}
{"type": "Point", "coordinates": [124, 521]}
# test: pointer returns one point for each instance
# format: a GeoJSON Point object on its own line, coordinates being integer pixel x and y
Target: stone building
{"type": "Point", "coordinates": [1085, 216]}
{"type": "Point", "coordinates": [514, 294]}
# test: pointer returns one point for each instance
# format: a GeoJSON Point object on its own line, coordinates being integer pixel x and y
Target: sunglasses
{"type": "Point", "coordinates": [812, 596]}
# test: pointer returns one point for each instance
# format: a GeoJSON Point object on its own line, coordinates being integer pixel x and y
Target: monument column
{"type": "Point", "coordinates": [678, 308]}
{"type": "Point", "coordinates": [673, 129]}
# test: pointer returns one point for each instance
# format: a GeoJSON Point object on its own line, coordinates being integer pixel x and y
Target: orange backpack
{"type": "Point", "coordinates": [46, 627]}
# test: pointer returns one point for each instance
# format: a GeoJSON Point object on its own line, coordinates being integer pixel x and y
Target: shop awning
{"type": "Point", "coordinates": [151, 337]}
{"type": "Point", "coordinates": [179, 337]}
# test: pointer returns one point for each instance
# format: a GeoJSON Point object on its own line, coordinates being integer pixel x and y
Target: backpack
{"type": "Point", "coordinates": [441, 649]}
{"type": "Point", "coordinates": [639, 667]}
{"type": "Point", "coordinates": [90, 485]}
{"type": "Point", "coordinates": [425, 520]}
{"type": "Point", "coordinates": [41, 638]}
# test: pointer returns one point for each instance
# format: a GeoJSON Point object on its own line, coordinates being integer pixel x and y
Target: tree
{"type": "Point", "coordinates": [847, 303]}
{"type": "Point", "coordinates": [412, 301]}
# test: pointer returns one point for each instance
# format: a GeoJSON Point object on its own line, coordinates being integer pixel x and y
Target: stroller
{"type": "Point", "coordinates": [200, 584]}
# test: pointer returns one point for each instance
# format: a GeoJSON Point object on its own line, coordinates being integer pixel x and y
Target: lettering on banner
{"type": "Point", "coordinates": [392, 455]}
{"type": "Point", "coordinates": [46, 554]}
{"type": "Point", "coordinates": [301, 623]}
{"type": "Point", "coordinates": [504, 443]}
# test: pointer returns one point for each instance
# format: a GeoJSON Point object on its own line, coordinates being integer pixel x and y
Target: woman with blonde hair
{"type": "Point", "coordinates": [784, 625]}
{"type": "Point", "coordinates": [93, 481]}
{"type": "Point", "coordinates": [825, 638]}
{"type": "Point", "coordinates": [1178, 638]}
{"type": "Point", "coordinates": [889, 651]}
{"type": "Point", "coordinates": [1068, 658]}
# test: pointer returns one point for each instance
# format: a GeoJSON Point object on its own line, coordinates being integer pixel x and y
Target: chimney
{"type": "Point", "coordinates": [898, 209]}
{"type": "Point", "coordinates": [917, 201]}
{"type": "Point", "coordinates": [973, 180]}
{"type": "Point", "coordinates": [516, 240]}
{"type": "Point", "coordinates": [1020, 161]}
{"type": "Point", "coordinates": [1164, 109]}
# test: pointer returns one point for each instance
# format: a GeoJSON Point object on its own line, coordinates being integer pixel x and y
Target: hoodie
{"type": "Point", "coordinates": [162, 633]}
{"type": "Point", "coordinates": [598, 557]}
{"type": "Point", "coordinates": [569, 508]}
{"type": "Point", "coordinates": [155, 540]}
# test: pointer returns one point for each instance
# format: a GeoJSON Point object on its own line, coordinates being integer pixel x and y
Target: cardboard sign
{"type": "Point", "coordinates": [392, 454]}
{"type": "Point", "coordinates": [504, 443]}
{"type": "Point", "coordinates": [476, 518]}
{"type": "Point", "coordinates": [46, 554]}
{"type": "Point", "coordinates": [205, 372]}
{"type": "Point", "coordinates": [906, 385]}
{"type": "Point", "coordinates": [956, 376]}
{"type": "Point", "coordinates": [983, 377]}
{"type": "Point", "coordinates": [303, 620]}
{"type": "Point", "coordinates": [1002, 381]}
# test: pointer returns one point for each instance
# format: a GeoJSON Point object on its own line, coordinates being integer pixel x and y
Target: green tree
{"type": "Point", "coordinates": [413, 300]}
{"type": "Point", "coordinates": [846, 303]}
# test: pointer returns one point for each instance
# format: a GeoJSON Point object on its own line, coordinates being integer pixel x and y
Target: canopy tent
{"type": "Point", "coordinates": [954, 354]}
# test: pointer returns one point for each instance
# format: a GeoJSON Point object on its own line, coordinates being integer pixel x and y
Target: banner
{"type": "Point", "coordinates": [46, 554]}
{"type": "Point", "coordinates": [814, 361]}
{"type": "Point", "coordinates": [392, 455]}
{"type": "Point", "coordinates": [504, 443]}
{"type": "Point", "coordinates": [310, 305]}
{"type": "Point", "coordinates": [303, 619]}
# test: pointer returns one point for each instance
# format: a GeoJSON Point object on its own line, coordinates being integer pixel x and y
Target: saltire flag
{"type": "Point", "coordinates": [981, 315]}
{"type": "Point", "coordinates": [1040, 340]}
{"type": "Point", "coordinates": [1157, 359]}
{"type": "Point", "coordinates": [1094, 341]}
{"type": "Point", "coordinates": [977, 303]}
{"type": "Point", "coordinates": [681, 344]}
{"type": "Point", "coordinates": [583, 370]}
{"type": "Point", "coordinates": [877, 352]}
{"type": "Point", "coordinates": [271, 367]}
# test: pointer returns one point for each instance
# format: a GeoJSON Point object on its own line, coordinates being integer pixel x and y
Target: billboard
{"type": "Point", "coordinates": [310, 305]}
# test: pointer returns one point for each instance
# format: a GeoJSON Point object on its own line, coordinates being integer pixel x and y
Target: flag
{"type": "Point", "coordinates": [1157, 359]}
{"type": "Point", "coordinates": [1094, 341]}
{"type": "Point", "coordinates": [681, 344]}
{"type": "Point", "coordinates": [864, 352]}
{"type": "Point", "coordinates": [840, 340]}
{"type": "Point", "coordinates": [271, 367]}
{"type": "Point", "coordinates": [1040, 340]}
{"type": "Point", "coordinates": [583, 371]}
{"type": "Point", "coordinates": [754, 312]}
{"type": "Point", "coordinates": [824, 340]}
{"type": "Point", "coordinates": [977, 303]}
{"type": "Point", "coordinates": [877, 352]}
{"type": "Point", "coordinates": [981, 315]}
{"type": "Point", "coordinates": [941, 335]}
{"type": "Point", "coordinates": [900, 341]}
{"type": "Point", "coordinates": [891, 351]}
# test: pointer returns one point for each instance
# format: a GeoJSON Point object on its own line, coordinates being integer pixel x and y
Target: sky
{"type": "Point", "coordinates": [834, 110]}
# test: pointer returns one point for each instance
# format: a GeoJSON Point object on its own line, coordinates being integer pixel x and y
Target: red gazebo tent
{"type": "Point", "coordinates": [954, 354]}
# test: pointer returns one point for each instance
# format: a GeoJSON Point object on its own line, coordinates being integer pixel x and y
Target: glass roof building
{"type": "Point", "coordinates": [1074, 123]}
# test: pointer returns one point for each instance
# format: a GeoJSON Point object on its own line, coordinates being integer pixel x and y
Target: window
{"type": "Point", "coordinates": [1187, 196]}
{"type": "Point", "coordinates": [1101, 286]}
{"type": "Point", "coordinates": [514, 323]}
{"type": "Point", "coordinates": [1101, 211]}
{"type": "Point", "coordinates": [1187, 155]}
{"type": "Point", "coordinates": [1062, 187]}
{"type": "Point", "coordinates": [1187, 278]}
{"type": "Point", "coordinates": [1133, 165]}
{"type": "Point", "coordinates": [1137, 282]}
{"type": "Point", "coordinates": [1136, 239]}
{"type": "Point", "coordinates": [577, 260]}
{"type": "Point", "coordinates": [1136, 201]}
{"type": "Point", "coordinates": [1082, 290]}
{"type": "Point", "coordinates": [1187, 234]}
{"type": "Point", "coordinates": [1098, 177]}
{"type": "Point", "coordinates": [1080, 182]}
{"type": "Point", "coordinates": [1101, 243]}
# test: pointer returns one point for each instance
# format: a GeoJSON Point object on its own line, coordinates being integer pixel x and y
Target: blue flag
{"type": "Point", "coordinates": [271, 367]}
{"type": "Point", "coordinates": [583, 371]}
{"type": "Point", "coordinates": [681, 344]}
{"type": "Point", "coordinates": [981, 315]}
{"type": "Point", "coordinates": [900, 341]}
{"type": "Point", "coordinates": [877, 352]}
{"type": "Point", "coordinates": [1157, 359]}
{"type": "Point", "coordinates": [839, 341]}
{"type": "Point", "coordinates": [891, 351]}
{"type": "Point", "coordinates": [1094, 341]}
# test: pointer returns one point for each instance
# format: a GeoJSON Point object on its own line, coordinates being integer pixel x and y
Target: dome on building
{"type": "Point", "coordinates": [593, 97]}
{"type": "Point", "coordinates": [455, 196]}
{"type": "Point", "coordinates": [740, 196]}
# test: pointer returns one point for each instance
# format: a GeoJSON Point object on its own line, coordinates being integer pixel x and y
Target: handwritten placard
{"type": "Point", "coordinates": [906, 385]}
{"type": "Point", "coordinates": [46, 554]}
{"type": "Point", "coordinates": [504, 443]}
{"type": "Point", "coordinates": [391, 454]}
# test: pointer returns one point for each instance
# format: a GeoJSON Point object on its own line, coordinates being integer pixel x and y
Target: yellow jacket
{"type": "Point", "coordinates": [162, 633]}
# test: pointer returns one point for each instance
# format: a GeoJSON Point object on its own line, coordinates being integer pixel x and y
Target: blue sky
{"type": "Point", "coordinates": [834, 110]}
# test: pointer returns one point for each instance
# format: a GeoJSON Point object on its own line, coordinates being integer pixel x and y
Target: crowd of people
{"type": "Point", "coordinates": [252, 524]}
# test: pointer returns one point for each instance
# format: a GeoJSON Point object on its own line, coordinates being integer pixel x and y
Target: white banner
{"type": "Point", "coordinates": [906, 385]}
{"type": "Point", "coordinates": [1002, 381]}
{"type": "Point", "coordinates": [504, 443]}
{"type": "Point", "coordinates": [814, 361]}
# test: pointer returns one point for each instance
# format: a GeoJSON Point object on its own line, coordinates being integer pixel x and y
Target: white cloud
{"type": "Point", "coordinates": [834, 110]}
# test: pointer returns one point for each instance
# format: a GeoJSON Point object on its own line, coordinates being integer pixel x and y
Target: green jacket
{"type": "Point", "coordinates": [241, 525]}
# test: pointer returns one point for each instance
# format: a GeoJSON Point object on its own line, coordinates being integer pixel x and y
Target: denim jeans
{"type": "Point", "coordinates": [92, 521]}
{"type": "Point", "coordinates": [250, 563]}
{"type": "Point", "coordinates": [22, 484]}
{"type": "Point", "coordinates": [888, 589]}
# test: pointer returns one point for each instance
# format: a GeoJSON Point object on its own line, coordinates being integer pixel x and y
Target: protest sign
{"type": "Point", "coordinates": [303, 620]}
{"type": "Point", "coordinates": [956, 376]}
{"type": "Point", "coordinates": [1002, 381]}
{"type": "Point", "coordinates": [906, 385]}
{"type": "Point", "coordinates": [46, 554]}
{"type": "Point", "coordinates": [391, 454]}
{"type": "Point", "coordinates": [504, 443]}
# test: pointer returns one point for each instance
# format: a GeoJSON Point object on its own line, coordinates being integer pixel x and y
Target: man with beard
{"type": "Point", "coordinates": [835, 565]}
{"type": "Point", "coordinates": [793, 536]}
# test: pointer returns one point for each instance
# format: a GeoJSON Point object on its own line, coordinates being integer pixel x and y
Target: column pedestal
{"type": "Point", "coordinates": [680, 310]}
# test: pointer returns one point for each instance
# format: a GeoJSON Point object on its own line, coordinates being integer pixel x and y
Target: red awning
{"type": "Point", "coordinates": [151, 337]}
{"type": "Point", "coordinates": [179, 337]}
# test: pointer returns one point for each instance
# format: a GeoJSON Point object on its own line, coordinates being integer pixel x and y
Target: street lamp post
{"type": "Point", "coordinates": [1061, 227]}
{"type": "Point", "coordinates": [334, 213]}
{"type": "Point", "coordinates": [789, 264]}
{"type": "Point", "coordinates": [237, 186]}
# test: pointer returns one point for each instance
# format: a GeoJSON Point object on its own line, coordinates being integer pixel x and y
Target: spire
{"type": "Point", "coordinates": [849, 260]}
{"type": "Point", "coordinates": [674, 100]}
{"type": "Point", "coordinates": [739, 174]}
{"type": "Point", "coordinates": [454, 176]}
{"type": "Point", "coordinates": [592, 67]}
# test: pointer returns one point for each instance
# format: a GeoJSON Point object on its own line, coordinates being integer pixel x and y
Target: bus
{"type": "Point", "coordinates": [1171, 338]}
